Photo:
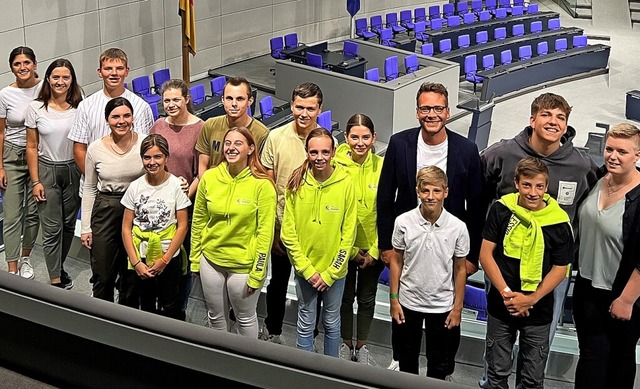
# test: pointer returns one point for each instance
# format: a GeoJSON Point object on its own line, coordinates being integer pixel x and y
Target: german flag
{"type": "Point", "coordinates": [188, 15]}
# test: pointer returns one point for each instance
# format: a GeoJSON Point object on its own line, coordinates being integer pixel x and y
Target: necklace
{"type": "Point", "coordinates": [611, 191]}
{"type": "Point", "coordinates": [112, 144]}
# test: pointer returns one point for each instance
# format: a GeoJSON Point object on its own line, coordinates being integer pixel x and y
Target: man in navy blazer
{"type": "Point", "coordinates": [430, 144]}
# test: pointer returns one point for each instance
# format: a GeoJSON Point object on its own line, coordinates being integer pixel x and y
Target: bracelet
{"type": "Point", "coordinates": [164, 260]}
{"type": "Point", "coordinates": [34, 183]}
{"type": "Point", "coordinates": [393, 296]}
{"type": "Point", "coordinates": [505, 290]}
{"type": "Point", "coordinates": [136, 264]}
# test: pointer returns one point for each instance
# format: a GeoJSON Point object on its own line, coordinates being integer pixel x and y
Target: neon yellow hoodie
{"type": "Point", "coordinates": [233, 221]}
{"type": "Point", "coordinates": [365, 180]}
{"type": "Point", "coordinates": [319, 226]}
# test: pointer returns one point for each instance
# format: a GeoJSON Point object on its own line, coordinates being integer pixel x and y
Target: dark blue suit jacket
{"type": "Point", "coordinates": [397, 186]}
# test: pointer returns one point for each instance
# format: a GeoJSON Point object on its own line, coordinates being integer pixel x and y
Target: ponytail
{"type": "Point", "coordinates": [298, 175]}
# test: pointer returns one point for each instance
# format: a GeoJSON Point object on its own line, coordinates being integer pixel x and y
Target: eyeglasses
{"type": "Point", "coordinates": [425, 109]}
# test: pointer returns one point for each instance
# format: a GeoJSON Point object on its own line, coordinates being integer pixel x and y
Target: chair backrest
{"type": "Point", "coordinates": [314, 60]}
{"type": "Point", "coordinates": [141, 85]}
{"type": "Point", "coordinates": [198, 93]}
{"type": "Point", "coordinates": [448, 9]}
{"type": "Point", "coordinates": [464, 40]}
{"type": "Point", "coordinates": [420, 14]}
{"type": "Point", "coordinates": [217, 85]}
{"type": "Point", "coordinates": [391, 68]}
{"type": "Point", "coordinates": [482, 37]}
{"type": "Point", "coordinates": [444, 45]}
{"type": "Point", "coordinates": [453, 21]}
{"type": "Point", "coordinates": [476, 6]}
{"type": "Point", "coordinates": [436, 24]}
{"type": "Point", "coordinates": [434, 12]}
{"type": "Point", "coordinates": [419, 28]}
{"type": "Point", "coordinates": [469, 18]}
{"type": "Point", "coordinates": [476, 299]}
{"type": "Point", "coordinates": [386, 34]}
{"type": "Point", "coordinates": [462, 7]}
{"type": "Point", "coordinates": [160, 77]}
{"type": "Point", "coordinates": [154, 111]}
{"type": "Point", "coordinates": [554, 24]}
{"type": "Point", "coordinates": [500, 33]}
{"type": "Point", "coordinates": [266, 107]}
{"type": "Point", "coordinates": [536, 27]}
{"type": "Point", "coordinates": [470, 64]}
{"type": "Point", "coordinates": [579, 41]}
{"type": "Point", "coordinates": [517, 10]}
{"type": "Point", "coordinates": [324, 120]}
{"type": "Point", "coordinates": [410, 63]}
{"type": "Point", "coordinates": [361, 26]}
{"type": "Point", "coordinates": [501, 13]}
{"type": "Point", "coordinates": [518, 30]}
{"type": "Point", "coordinates": [561, 44]}
{"type": "Point", "coordinates": [291, 40]}
{"type": "Point", "coordinates": [405, 16]}
{"type": "Point", "coordinates": [505, 3]}
{"type": "Point", "coordinates": [505, 57]}
{"type": "Point", "coordinates": [483, 16]}
{"type": "Point", "coordinates": [277, 45]}
{"type": "Point", "coordinates": [524, 52]}
{"type": "Point", "coordinates": [427, 49]}
{"type": "Point", "coordinates": [543, 48]}
{"type": "Point", "coordinates": [532, 8]}
{"type": "Point", "coordinates": [490, 4]}
{"type": "Point", "coordinates": [518, 3]}
{"type": "Point", "coordinates": [488, 62]}
{"type": "Point", "coordinates": [350, 48]}
{"type": "Point", "coordinates": [392, 19]}
{"type": "Point", "coordinates": [372, 75]}
{"type": "Point", "coordinates": [376, 23]}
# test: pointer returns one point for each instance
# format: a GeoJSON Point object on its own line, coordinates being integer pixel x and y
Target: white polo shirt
{"type": "Point", "coordinates": [426, 281]}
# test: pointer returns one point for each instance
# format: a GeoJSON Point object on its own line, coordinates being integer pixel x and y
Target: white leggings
{"type": "Point", "coordinates": [221, 286]}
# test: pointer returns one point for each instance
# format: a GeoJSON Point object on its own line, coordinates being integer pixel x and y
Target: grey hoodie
{"type": "Point", "coordinates": [571, 171]}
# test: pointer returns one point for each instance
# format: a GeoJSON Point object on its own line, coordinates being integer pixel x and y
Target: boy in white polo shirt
{"type": "Point", "coordinates": [428, 276]}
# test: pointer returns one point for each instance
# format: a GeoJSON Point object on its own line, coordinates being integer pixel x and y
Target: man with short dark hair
{"type": "Point", "coordinates": [237, 99]}
{"type": "Point", "coordinates": [430, 144]}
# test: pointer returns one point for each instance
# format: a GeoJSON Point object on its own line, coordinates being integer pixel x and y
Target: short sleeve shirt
{"type": "Point", "coordinates": [213, 132]}
{"type": "Point", "coordinates": [13, 107]}
{"type": "Point", "coordinates": [426, 281]}
{"type": "Point", "coordinates": [53, 126]}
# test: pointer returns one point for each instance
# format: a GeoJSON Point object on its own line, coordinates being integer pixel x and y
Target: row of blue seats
{"type": "Point", "coordinates": [278, 44]}
{"type": "Point", "coordinates": [436, 20]}
{"type": "Point", "coordinates": [391, 69]}
{"type": "Point", "coordinates": [506, 57]}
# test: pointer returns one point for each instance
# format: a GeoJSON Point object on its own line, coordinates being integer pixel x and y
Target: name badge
{"type": "Point", "coordinates": [567, 192]}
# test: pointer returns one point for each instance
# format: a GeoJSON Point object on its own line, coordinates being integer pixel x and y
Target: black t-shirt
{"type": "Point", "coordinates": [558, 250]}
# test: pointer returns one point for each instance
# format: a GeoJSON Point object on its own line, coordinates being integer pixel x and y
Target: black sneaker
{"type": "Point", "coordinates": [65, 281]}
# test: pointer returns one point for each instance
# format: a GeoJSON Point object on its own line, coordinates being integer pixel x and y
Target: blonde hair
{"type": "Point", "coordinates": [431, 175]}
{"type": "Point", "coordinates": [625, 131]}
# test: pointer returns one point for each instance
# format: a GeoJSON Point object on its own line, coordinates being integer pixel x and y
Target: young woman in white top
{"type": "Point", "coordinates": [112, 163]}
{"type": "Point", "coordinates": [19, 219]}
{"type": "Point", "coordinates": [54, 175]}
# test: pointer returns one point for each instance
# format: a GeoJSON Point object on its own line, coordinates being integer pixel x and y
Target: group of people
{"type": "Point", "coordinates": [227, 199]}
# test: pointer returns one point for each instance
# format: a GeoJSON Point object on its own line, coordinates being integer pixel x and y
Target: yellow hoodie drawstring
{"type": "Point", "coordinates": [232, 189]}
{"type": "Point", "coordinates": [316, 204]}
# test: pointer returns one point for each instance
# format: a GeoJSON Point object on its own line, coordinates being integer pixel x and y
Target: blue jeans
{"type": "Point", "coordinates": [307, 306]}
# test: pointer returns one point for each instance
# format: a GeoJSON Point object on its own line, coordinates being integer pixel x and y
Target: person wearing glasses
{"type": "Point", "coordinates": [431, 143]}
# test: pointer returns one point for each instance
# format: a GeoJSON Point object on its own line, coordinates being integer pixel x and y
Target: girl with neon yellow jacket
{"type": "Point", "coordinates": [232, 232]}
{"type": "Point", "coordinates": [364, 268]}
{"type": "Point", "coordinates": [318, 230]}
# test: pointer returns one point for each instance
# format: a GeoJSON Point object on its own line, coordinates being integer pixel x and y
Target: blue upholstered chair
{"type": "Point", "coordinates": [505, 57]}
{"type": "Point", "coordinates": [362, 29]}
{"type": "Point", "coordinates": [419, 32]}
{"type": "Point", "coordinates": [444, 46]}
{"type": "Point", "coordinates": [142, 87]}
{"type": "Point", "coordinates": [561, 44]}
{"type": "Point", "coordinates": [391, 68]}
{"type": "Point", "coordinates": [376, 24]}
{"type": "Point", "coordinates": [315, 60]}
{"type": "Point", "coordinates": [482, 37]}
{"type": "Point", "coordinates": [448, 9]}
{"type": "Point", "coordinates": [524, 52]}
{"type": "Point", "coordinates": [470, 70]}
{"type": "Point", "coordinates": [501, 13]}
{"type": "Point", "coordinates": [277, 45]}
{"type": "Point", "coordinates": [392, 21]}
{"type": "Point", "coordinates": [462, 7]}
{"type": "Point", "coordinates": [160, 77]}
{"type": "Point", "coordinates": [419, 14]}
{"type": "Point", "coordinates": [542, 48]}
{"type": "Point", "coordinates": [469, 18]}
{"type": "Point", "coordinates": [500, 33]}
{"type": "Point", "coordinates": [266, 107]}
{"type": "Point", "coordinates": [217, 85]}
{"type": "Point", "coordinates": [484, 16]}
{"type": "Point", "coordinates": [490, 5]}
{"type": "Point", "coordinates": [536, 27]}
{"type": "Point", "coordinates": [324, 120]}
{"type": "Point", "coordinates": [476, 6]}
{"type": "Point", "coordinates": [154, 111]}
{"type": "Point", "coordinates": [580, 41]}
{"type": "Point", "coordinates": [411, 63]}
{"type": "Point", "coordinates": [532, 8]}
{"type": "Point", "coordinates": [517, 10]}
{"type": "Point", "coordinates": [427, 49]}
{"type": "Point", "coordinates": [405, 19]}
{"type": "Point", "coordinates": [291, 40]}
{"type": "Point", "coordinates": [350, 48]}
{"type": "Point", "coordinates": [434, 12]}
{"type": "Point", "coordinates": [554, 24]}
{"type": "Point", "coordinates": [453, 21]}
{"type": "Point", "coordinates": [517, 30]}
{"type": "Point", "coordinates": [372, 75]}
{"type": "Point", "coordinates": [198, 94]}
{"type": "Point", "coordinates": [475, 299]}
{"type": "Point", "coordinates": [464, 41]}
{"type": "Point", "coordinates": [488, 62]}
{"type": "Point", "coordinates": [386, 34]}
{"type": "Point", "coordinates": [436, 24]}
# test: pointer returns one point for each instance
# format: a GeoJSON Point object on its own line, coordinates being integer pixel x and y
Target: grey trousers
{"type": "Point", "coordinates": [58, 214]}
{"type": "Point", "coordinates": [534, 351]}
{"type": "Point", "coordinates": [20, 211]}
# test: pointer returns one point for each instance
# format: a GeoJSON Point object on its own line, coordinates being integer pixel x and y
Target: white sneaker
{"type": "Point", "coordinates": [362, 355]}
{"type": "Point", "coordinates": [394, 365]}
{"type": "Point", "coordinates": [346, 352]}
{"type": "Point", "coordinates": [26, 270]}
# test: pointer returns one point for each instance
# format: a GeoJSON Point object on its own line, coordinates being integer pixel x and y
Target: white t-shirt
{"type": "Point", "coordinates": [90, 124]}
{"type": "Point", "coordinates": [429, 155]}
{"type": "Point", "coordinates": [426, 281]}
{"type": "Point", "coordinates": [13, 107]}
{"type": "Point", "coordinates": [53, 126]}
{"type": "Point", "coordinates": [155, 206]}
